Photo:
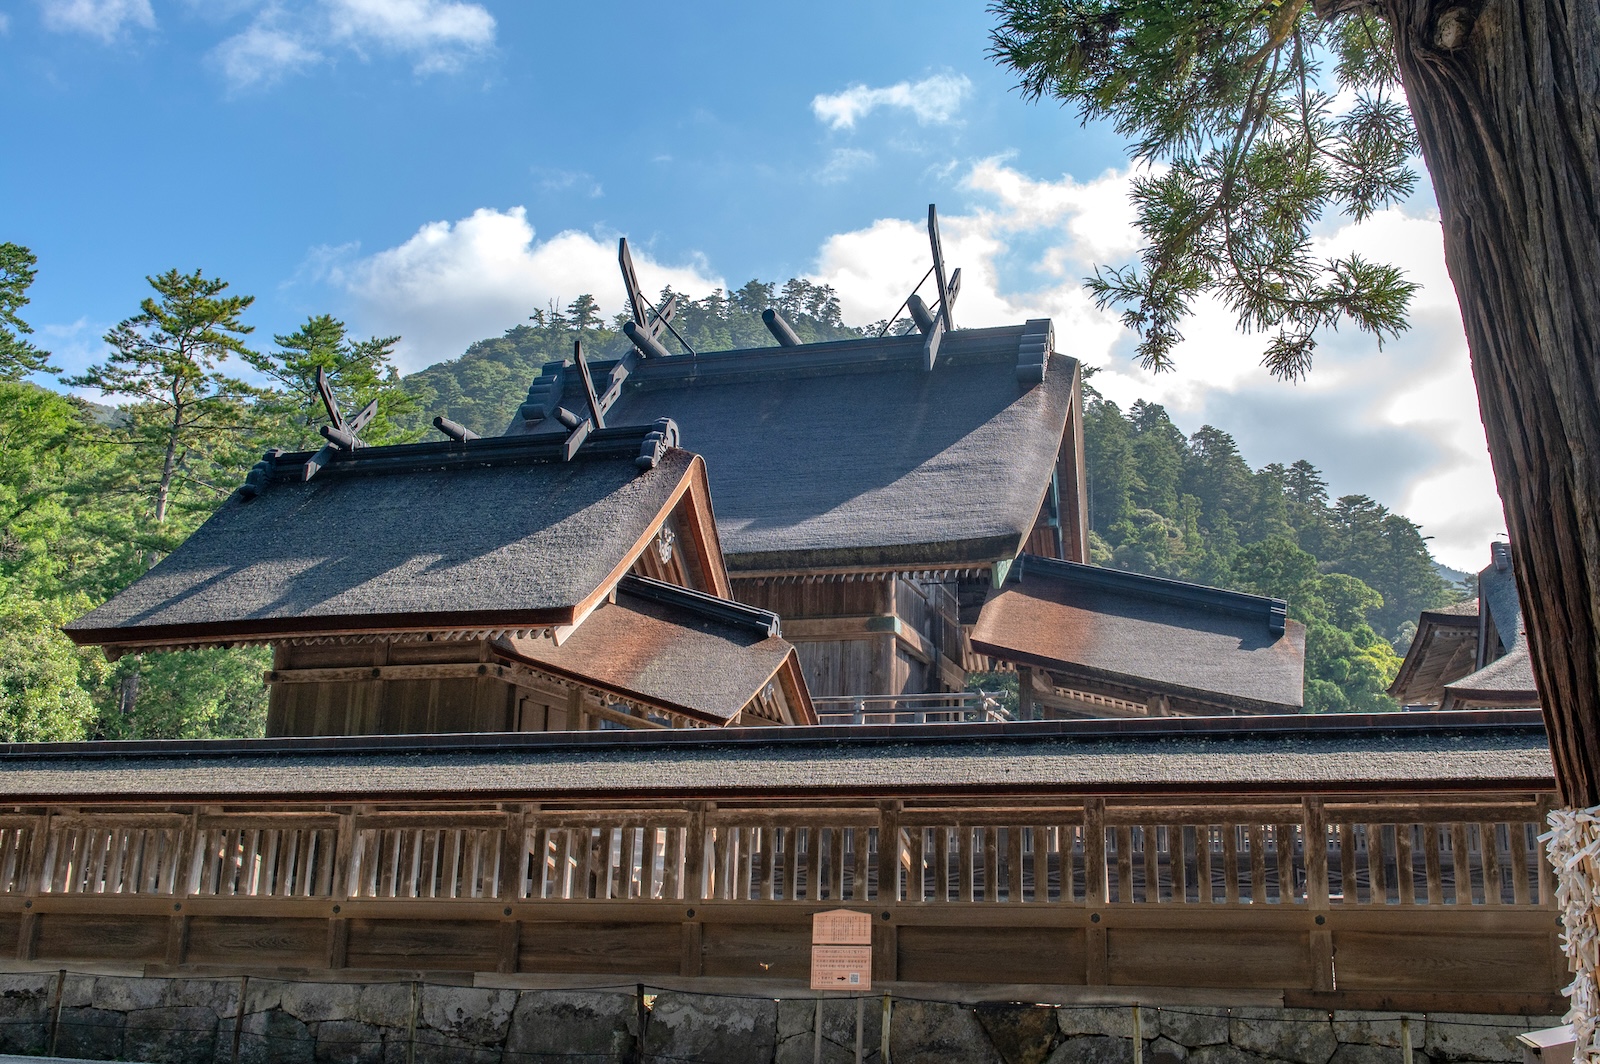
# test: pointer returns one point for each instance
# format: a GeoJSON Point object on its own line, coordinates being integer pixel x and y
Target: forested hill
{"type": "Point", "coordinates": [1190, 507]}
{"type": "Point", "coordinates": [92, 496]}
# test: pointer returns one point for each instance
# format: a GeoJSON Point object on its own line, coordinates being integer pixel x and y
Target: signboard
{"type": "Point", "coordinates": [841, 967]}
{"type": "Point", "coordinates": [841, 927]}
{"type": "Point", "coordinates": [841, 950]}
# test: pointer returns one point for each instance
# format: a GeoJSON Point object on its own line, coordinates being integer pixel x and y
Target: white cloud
{"type": "Point", "coordinates": [455, 282]}
{"type": "Point", "coordinates": [436, 35]}
{"type": "Point", "coordinates": [843, 163]}
{"type": "Point", "coordinates": [5, 23]}
{"type": "Point", "coordinates": [1399, 424]}
{"type": "Point", "coordinates": [262, 55]}
{"type": "Point", "coordinates": [932, 100]}
{"type": "Point", "coordinates": [104, 19]}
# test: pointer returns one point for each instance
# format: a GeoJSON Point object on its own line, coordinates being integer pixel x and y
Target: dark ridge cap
{"type": "Point", "coordinates": [997, 343]}
{"type": "Point", "coordinates": [1273, 612]}
{"type": "Point", "coordinates": [608, 443]}
{"type": "Point", "coordinates": [1523, 722]}
{"type": "Point", "coordinates": [721, 610]}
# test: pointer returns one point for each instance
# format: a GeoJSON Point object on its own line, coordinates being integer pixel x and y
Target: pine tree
{"type": "Point", "coordinates": [191, 418]}
{"type": "Point", "coordinates": [18, 357]}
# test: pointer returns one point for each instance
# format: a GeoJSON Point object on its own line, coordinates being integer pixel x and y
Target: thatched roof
{"type": "Point", "coordinates": [1219, 647]}
{"type": "Point", "coordinates": [488, 534]}
{"type": "Point", "coordinates": [853, 453]}
{"type": "Point", "coordinates": [1352, 753]}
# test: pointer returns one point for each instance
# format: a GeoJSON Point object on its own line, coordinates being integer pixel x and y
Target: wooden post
{"type": "Point", "coordinates": [1024, 692]}
{"type": "Point", "coordinates": [1138, 1036]}
{"type": "Point", "coordinates": [883, 1032]}
{"type": "Point", "coordinates": [816, 1031]}
{"type": "Point", "coordinates": [55, 1011]}
{"type": "Point", "coordinates": [238, 1017]}
{"type": "Point", "coordinates": [1316, 858]}
{"type": "Point", "coordinates": [1405, 1040]}
{"type": "Point", "coordinates": [694, 873]}
{"type": "Point", "coordinates": [1094, 890]}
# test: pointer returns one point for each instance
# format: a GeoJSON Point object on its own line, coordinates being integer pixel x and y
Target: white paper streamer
{"type": "Point", "coordinates": [1573, 844]}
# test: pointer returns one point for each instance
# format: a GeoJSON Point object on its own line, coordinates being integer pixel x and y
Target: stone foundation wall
{"type": "Point", "coordinates": [200, 1021]}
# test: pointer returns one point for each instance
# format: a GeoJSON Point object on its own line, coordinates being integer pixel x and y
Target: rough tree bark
{"type": "Point", "coordinates": [1506, 95]}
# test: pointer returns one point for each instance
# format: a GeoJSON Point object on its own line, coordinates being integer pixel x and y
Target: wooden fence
{"type": "Point", "coordinates": [1438, 899]}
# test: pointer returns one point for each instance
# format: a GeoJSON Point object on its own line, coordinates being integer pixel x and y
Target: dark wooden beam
{"type": "Point", "coordinates": [596, 415]}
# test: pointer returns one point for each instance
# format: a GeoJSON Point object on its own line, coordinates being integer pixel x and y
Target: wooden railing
{"type": "Point", "coordinates": [958, 707]}
{"type": "Point", "coordinates": [1440, 894]}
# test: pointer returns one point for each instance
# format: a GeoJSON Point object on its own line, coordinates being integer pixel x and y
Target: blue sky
{"type": "Point", "coordinates": [439, 168]}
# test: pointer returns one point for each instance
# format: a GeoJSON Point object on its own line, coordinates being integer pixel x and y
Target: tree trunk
{"type": "Point", "coordinates": [1506, 95]}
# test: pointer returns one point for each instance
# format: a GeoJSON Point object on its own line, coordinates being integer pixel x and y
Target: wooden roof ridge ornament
{"type": "Point", "coordinates": [456, 431]}
{"type": "Point", "coordinates": [596, 418]}
{"type": "Point", "coordinates": [780, 328]}
{"type": "Point", "coordinates": [933, 324]}
{"type": "Point", "coordinates": [644, 331]}
{"type": "Point", "coordinates": [1033, 351]}
{"type": "Point", "coordinates": [342, 435]}
{"type": "Point", "coordinates": [949, 288]}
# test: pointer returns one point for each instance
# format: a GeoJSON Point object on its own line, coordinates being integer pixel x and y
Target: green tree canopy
{"type": "Point", "coordinates": [358, 372]}
{"type": "Point", "coordinates": [18, 357]}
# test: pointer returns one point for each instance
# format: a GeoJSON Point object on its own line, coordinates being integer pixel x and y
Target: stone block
{"type": "Point", "coordinates": [713, 1030]}
{"type": "Point", "coordinates": [25, 1011]}
{"type": "Point", "coordinates": [315, 1002]}
{"type": "Point", "coordinates": [468, 1015]}
{"type": "Point", "coordinates": [1374, 1029]}
{"type": "Point", "coordinates": [1300, 1036]}
{"type": "Point", "coordinates": [1354, 1053]}
{"type": "Point", "coordinates": [1164, 1050]}
{"type": "Point", "coordinates": [384, 1005]}
{"type": "Point", "coordinates": [1456, 1037]}
{"type": "Point", "coordinates": [1190, 1026]}
{"type": "Point", "coordinates": [1111, 1021]}
{"type": "Point", "coordinates": [1093, 1049]}
{"type": "Point", "coordinates": [93, 1034]}
{"type": "Point", "coordinates": [1021, 1034]}
{"type": "Point", "coordinates": [177, 1034]}
{"type": "Point", "coordinates": [353, 1042]}
{"type": "Point", "coordinates": [77, 992]}
{"type": "Point", "coordinates": [276, 1037]}
{"type": "Point", "coordinates": [435, 1047]}
{"type": "Point", "coordinates": [263, 995]}
{"type": "Point", "coordinates": [797, 1030]}
{"type": "Point", "coordinates": [129, 993]}
{"type": "Point", "coordinates": [590, 1025]}
{"type": "Point", "coordinates": [1230, 1054]}
{"type": "Point", "coordinates": [933, 1032]}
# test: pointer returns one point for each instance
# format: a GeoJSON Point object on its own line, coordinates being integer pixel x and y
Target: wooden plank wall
{"type": "Point", "coordinates": [1443, 900]}
{"type": "Point", "coordinates": [867, 633]}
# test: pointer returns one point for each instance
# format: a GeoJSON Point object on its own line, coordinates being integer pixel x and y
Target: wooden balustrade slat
{"type": "Point", "coordinates": [915, 885]}
{"type": "Point", "coordinates": [1013, 864]}
{"type": "Point", "coordinates": [1124, 864]}
{"type": "Point", "coordinates": [1230, 864]}
{"type": "Point", "coordinates": [837, 861]}
{"type": "Point", "coordinates": [1206, 893]}
{"type": "Point", "coordinates": [1376, 868]}
{"type": "Point", "coordinates": [1405, 863]}
{"type": "Point", "coordinates": [991, 864]}
{"type": "Point", "coordinates": [1461, 864]}
{"type": "Point", "coordinates": [1519, 863]}
{"type": "Point", "coordinates": [1041, 862]}
{"type": "Point", "coordinates": [1150, 841]}
{"type": "Point", "coordinates": [1178, 860]}
{"type": "Point", "coordinates": [1258, 864]}
{"type": "Point", "coordinates": [1432, 864]}
{"type": "Point", "coordinates": [1489, 846]}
